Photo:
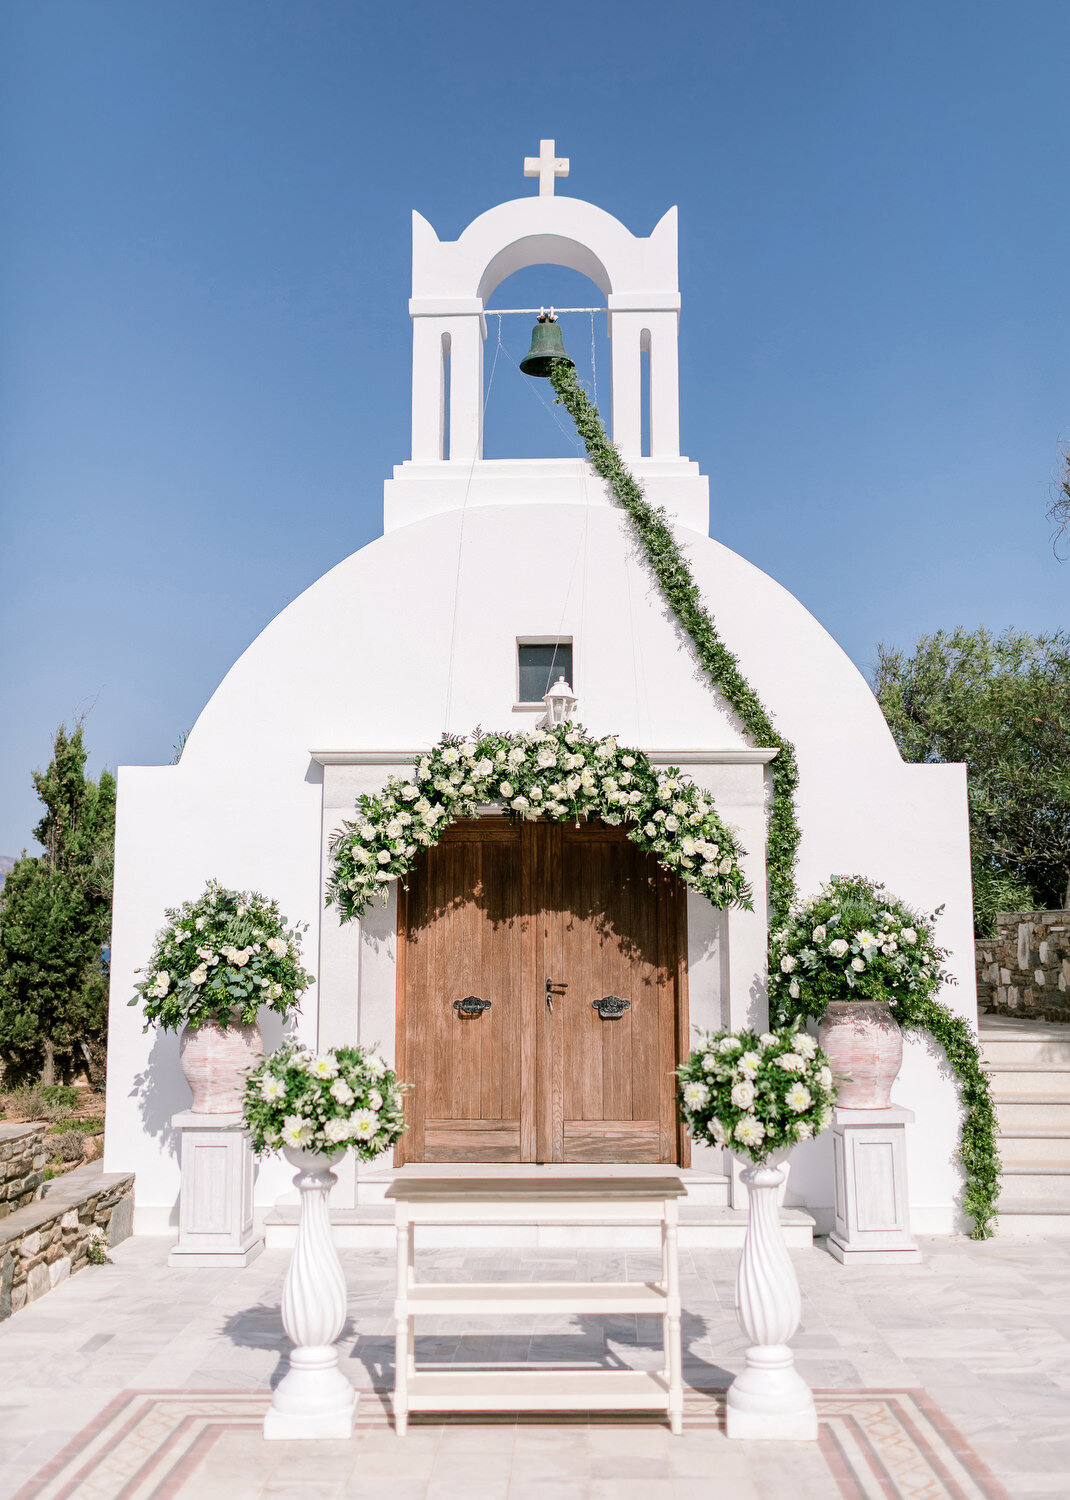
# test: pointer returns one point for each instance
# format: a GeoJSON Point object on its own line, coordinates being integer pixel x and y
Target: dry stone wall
{"type": "Point", "coordinates": [43, 1243]}
{"type": "Point", "coordinates": [1025, 969]}
{"type": "Point", "coordinates": [22, 1162]}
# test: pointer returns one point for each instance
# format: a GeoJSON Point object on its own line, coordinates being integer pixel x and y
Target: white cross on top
{"type": "Point", "coordinates": [546, 166]}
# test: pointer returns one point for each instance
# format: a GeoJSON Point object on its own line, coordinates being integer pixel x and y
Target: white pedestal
{"type": "Point", "coordinates": [872, 1206]}
{"type": "Point", "coordinates": [215, 1209]}
{"type": "Point", "coordinates": [314, 1400]}
{"type": "Point", "coordinates": [769, 1401]}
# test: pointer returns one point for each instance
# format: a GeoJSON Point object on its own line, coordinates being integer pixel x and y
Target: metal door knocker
{"type": "Point", "coordinates": [471, 1005]}
{"type": "Point", "coordinates": [611, 1007]}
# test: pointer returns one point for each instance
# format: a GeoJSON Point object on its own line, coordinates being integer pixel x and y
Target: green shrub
{"type": "Point", "coordinates": [69, 1145]}
{"type": "Point", "coordinates": [60, 1095]}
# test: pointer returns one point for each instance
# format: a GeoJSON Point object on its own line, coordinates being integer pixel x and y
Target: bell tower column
{"type": "Point", "coordinates": [447, 378]}
{"type": "Point", "coordinates": [637, 324]}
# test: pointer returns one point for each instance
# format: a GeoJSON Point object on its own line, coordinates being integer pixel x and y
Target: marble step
{"type": "Point", "coordinates": [1003, 1050]}
{"type": "Point", "coordinates": [1049, 1148]}
{"type": "Point", "coordinates": [1019, 1216]}
{"type": "Point", "coordinates": [1017, 1114]}
{"type": "Point", "coordinates": [371, 1227]}
{"type": "Point", "coordinates": [1035, 1182]}
{"type": "Point", "coordinates": [1030, 1080]}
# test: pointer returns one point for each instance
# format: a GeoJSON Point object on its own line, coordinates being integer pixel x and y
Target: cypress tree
{"type": "Point", "coordinates": [55, 926]}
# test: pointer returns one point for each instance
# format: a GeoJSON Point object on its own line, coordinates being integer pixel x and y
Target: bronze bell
{"type": "Point", "coordinates": [547, 345]}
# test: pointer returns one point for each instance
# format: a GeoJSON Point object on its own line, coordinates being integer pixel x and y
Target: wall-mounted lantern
{"type": "Point", "coordinates": [560, 702]}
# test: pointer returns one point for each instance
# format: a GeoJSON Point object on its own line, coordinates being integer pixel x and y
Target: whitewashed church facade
{"type": "Point", "coordinates": [423, 629]}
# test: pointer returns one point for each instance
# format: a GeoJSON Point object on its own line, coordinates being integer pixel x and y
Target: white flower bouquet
{"type": "Point", "coordinates": [560, 773]}
{"type": "Point", "coordinates": [323, 1102]}
{"type": "Point", "coordinates": [854, 941]}
{"type": "Point", "coordinates": [757, 1093]}
{"type": "Point", "coordinates": [227, 951]}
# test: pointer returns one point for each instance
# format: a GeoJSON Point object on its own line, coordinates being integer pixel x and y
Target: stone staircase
{"type": "Point", "coordinates": [1028, 1064]}
{"type": "Point", "coordinates": [706, 1220]}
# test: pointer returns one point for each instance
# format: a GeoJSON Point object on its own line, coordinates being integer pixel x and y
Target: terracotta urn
{"type": "Point", "coordinates": [214, 1060]}
{"type": "Point", "coordinates": [865, 1052]}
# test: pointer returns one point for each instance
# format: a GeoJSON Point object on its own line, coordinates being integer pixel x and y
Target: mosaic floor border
{"type": "Point", "coordinates": [153, 1444]}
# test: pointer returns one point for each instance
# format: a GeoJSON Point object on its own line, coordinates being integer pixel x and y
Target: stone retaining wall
{"type": "Point", "coordinates": [22, 1160]}
{"type": "Point", "coordinates": [1025, 969]}
{"type": "Point", "coordinates": [43, 1243]}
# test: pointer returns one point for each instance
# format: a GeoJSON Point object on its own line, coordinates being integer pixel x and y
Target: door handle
{"type": "Point", "coordinates": [552, 988]}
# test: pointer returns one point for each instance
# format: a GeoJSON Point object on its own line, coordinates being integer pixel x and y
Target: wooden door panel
{"type": "Point", "coordinates": [462, 932]}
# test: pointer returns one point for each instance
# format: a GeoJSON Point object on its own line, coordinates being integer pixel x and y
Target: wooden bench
{"type": "Point", "coordinates": [522, 1200]}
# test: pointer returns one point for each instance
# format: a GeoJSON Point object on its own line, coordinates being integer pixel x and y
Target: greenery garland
{"type": "Point", "coordinates": [650, 524]}
{"type": "Point", "coordinates": [670, 567]}
{"type": "Point", "coordinates": [562, 773]}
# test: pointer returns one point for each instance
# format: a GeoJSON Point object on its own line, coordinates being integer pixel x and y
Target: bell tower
{"type": "Point", "coordinates": [452, 281]}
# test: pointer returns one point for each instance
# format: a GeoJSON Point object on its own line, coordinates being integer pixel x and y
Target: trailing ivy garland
{"type": "Point", "coordinates": [561, 773]}
{"type": "Point", "coordinates": [650, 523]}
{"type": "Point", "coordinates": [670, 567]}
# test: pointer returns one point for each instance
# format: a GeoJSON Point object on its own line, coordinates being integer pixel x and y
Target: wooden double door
{"type": "Point", "coordinates": [542, 1001]}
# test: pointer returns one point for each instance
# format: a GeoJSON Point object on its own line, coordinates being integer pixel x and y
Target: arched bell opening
{"type": "Point", "coordinates": [520, 419]}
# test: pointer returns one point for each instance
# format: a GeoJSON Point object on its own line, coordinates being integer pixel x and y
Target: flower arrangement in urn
{"type": "Point", "coordinates": [215, 963]}
{"type": "Point", "coordinates": [321, 1103]}
{"type": "Point", "coordinates": [759, 1094]}
{"type": "Point", "coordinates": [858, 960]}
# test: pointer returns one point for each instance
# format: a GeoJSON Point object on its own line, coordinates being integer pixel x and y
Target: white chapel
{"type": "Point", "coordinates": [491, 579]}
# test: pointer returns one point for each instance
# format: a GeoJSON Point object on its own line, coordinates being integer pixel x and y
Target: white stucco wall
{"type": "Point", "coordinates": [418, 630]}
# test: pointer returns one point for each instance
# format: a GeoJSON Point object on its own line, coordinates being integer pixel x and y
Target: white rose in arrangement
{"type": "Point", "coordinates": [277, 947]}
{"type": "Point", "coordinates": [363, 1124]}
{"type": "Point", "coordinates": [838, 947]}
{"type": "Point", "coordinates": [409, 792]}
{"type": "Point", "coordinates": [791, 1062]}
{"type": "Point", "coordinates": [858, 965]}
{"type": "Point", "coordinates": [768, 1039]}
{"type": "Point", "coordinates": [803, 1130]}
{"type": "Point", "coordinates": [672, 823]}
{"type": "Point", "coordinates": [520, 803]}
{"type": "Point", "coordinates": [749, 1131]}
{"type": "Point", "coordinates": [393, 829]}
{"type": "Point", "coordinates": [323, 1066]}
{"type": "Point", "coordinates": [824, 1077]}
{"type": "Point", "coordinates": [729, 1044]}
{"type": "Point", "coordinates": [516, 756]}
{"type": "Point", "coordinates": [507, 788]}
{"type": "Point", "coordinates": [743, 1094]}
{"type": "Point", "coordinates": [199, 975]}
{"type": "Point", "coordinates": [375, 1099]}
{"type": "Point", "coordinates": [272, 1088]}
{"type": "Point", "coordinates": [341, 1091]}
{"type": "Point", "coordinates": [805, 1045]}
{"type": "Point", "coordinates": [819, 934]}
{"type": "Point", "coordinates": [337, 1130]}
{"type": "Point", "coordinates": [909, 936]}
{"type": "Point", "coordinates": [798, 1098]}
{"type": "Point", "coordinates": [793, 989]}
{"type": "Point", "coordinates": [468, 749]}
{"type": "Point", "coordinates": [650, 830]}
{"type": "Point", "coordinates": [296, 1132]}
{"type": "Point", "coordinates": [709, 1062]}
{"type": "Point", "coordinates": [162, 984]}
{"type": "Point", "coordinates": [719, 1133]}
{"type": "Point", "coordinates": [696, 1095]}
{"type": "Point", "coordinates": [787, 963]}
{"type": "Point", "coordinates": [547, 756]}
{"type": "Point", "coordinates": [199, 924]}
{"type": "Point", "coordinates": [383, 856]}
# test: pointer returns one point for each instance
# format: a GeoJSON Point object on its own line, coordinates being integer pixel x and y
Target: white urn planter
{"type": "Point", "coordinates": [215, 1059]}
{"type": "Point", "coordinates": [769, 1399]}
{"type": "Point", "coordinates": [865, 1052]}
{"type": "Point", "coordinates": [314, 1399]}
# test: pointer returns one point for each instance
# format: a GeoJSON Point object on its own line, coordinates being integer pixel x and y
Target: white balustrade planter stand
{"type": "Point", "coordinates": [215, 1206]}
{"type": "Point", "coordinates": [872, 1204]}
{"type": "Point", "coordinates": [314, 1399]}
{"type": "Point", "coordinates": [769, 1399]}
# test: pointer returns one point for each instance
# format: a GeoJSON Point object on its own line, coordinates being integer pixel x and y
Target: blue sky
{"type": "Point", "coordinates": [205, 268]}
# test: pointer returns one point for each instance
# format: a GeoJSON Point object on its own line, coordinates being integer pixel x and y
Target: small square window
{"type": "Point", "coordinates": [539, 665]}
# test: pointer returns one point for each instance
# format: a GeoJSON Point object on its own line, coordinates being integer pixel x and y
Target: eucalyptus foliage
{"type": "Point", "coordinates": [561, 773]}
{"type": "Point", "coordinates": [227, 951]}
{"type": "Point", "coordinates": [855, 941]}
{"type": "Point", "coordinates": [757, 1094]}
{"type": "Point", "coordinates": [663, 552]}
{"type": "Point", "coordinates": [324, 1102]}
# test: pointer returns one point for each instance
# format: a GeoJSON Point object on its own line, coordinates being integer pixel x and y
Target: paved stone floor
{"type": "Point", "coordinates": [983, 1329]}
